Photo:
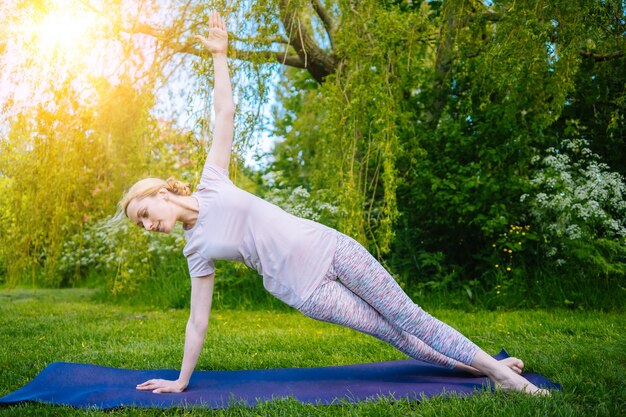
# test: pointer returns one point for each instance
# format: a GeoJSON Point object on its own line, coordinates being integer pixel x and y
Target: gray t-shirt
{"type": "Point", "coordinates": [292, 254]}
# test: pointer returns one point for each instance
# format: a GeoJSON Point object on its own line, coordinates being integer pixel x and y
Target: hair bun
{"type": "Point", "coordinates": [178, 187]}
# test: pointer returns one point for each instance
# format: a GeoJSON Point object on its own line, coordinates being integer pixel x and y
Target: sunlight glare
{"type": "Point", "coordinates": [62, 30]}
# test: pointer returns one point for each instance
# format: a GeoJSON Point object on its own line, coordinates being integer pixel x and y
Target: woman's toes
{"type": "Point", "coordinates": [533, 390]}
{"type": "Point", "coordinates": [543, 392]}
{"type": "Point", "coordinates": [515, 364]}
{"type": "Point", "coordinates": [514, 382]}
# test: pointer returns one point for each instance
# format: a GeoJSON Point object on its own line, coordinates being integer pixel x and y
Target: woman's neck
{"type": "Point", "coordinates": [188, 210]}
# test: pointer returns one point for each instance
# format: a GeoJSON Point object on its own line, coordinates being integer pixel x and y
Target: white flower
{"type": "Point", "coordinates": [573, 232]}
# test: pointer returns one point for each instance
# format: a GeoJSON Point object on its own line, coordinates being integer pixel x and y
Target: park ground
{"type": "Point", "coordinates": [585, 351]}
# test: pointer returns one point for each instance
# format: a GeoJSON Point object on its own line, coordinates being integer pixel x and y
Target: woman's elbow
{"type": "Point", "coordinates": [225, 109]}
{"type": "Point", "coordinates": [198, 326]}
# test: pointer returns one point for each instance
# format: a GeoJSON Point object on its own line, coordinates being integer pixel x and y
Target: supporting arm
{"type": "Point", "coordinates": [201, 298]}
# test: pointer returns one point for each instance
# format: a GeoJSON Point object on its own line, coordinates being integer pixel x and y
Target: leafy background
{"type": "Point", "coordinates": [476, 148]}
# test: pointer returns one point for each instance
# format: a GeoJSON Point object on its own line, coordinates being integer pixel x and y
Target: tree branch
{"type": "Point", "coordinates": [495, 17]}
{"type": "Point", "coordinates": [308, 56]}
{"type": "Point", "coordinates": [602, 57]}
{"type": "Point", "coordinates": [318, 62]}
{"type": "Point", "coordinates": [269, 57]}
{"type": "Point", "coordinates": [192, 48]}
{"type": "Point", "coordinates": [327, 20]}
{"type": "Point", "coordinates": [491, 16]}
{"type": "Point", "coordinates": [452, 15]}
{"type": "Point", "coordinates": [277, 39]}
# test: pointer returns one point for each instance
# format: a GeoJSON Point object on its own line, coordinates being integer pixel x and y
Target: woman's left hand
{"type": "Point", "coordinates": [217, 41]}
{"type": "Point", "coordinates": [159, 386]}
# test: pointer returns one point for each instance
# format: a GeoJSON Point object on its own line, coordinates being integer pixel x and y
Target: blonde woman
{"type": "Point", "coordinates": [324, 274]}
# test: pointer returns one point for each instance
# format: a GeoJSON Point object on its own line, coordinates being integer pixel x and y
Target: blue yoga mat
{"type": "Point", "coordinates": [90, 386]}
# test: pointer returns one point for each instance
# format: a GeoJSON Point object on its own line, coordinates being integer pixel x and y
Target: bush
{"type": "Point", "coordinates": [119, 256]}
{"type": "Point", "coordinates": [577, 208]}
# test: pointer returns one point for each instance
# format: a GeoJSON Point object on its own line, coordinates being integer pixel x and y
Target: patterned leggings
{"type": "Point", "coordinates": [359, 293]}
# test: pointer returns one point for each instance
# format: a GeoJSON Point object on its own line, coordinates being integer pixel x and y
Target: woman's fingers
{"type": "Point", "coordinates": [217, 39]}
{"type": "Point", "coordinates": [148, 385]}
{"type": "Point", "coordinates": [145, 384]}
{"type": "Point", "coordinates": [216, 21]}
{"type": "Point", "coordinates": [160, 386]}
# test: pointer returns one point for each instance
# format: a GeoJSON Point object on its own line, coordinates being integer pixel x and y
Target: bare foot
{"type": "Point", "coordinates": [515, 364]}
{"type": "Point", "coordinates": [504, 376]}
{"type": "Point", "coordinates": [507, 380]}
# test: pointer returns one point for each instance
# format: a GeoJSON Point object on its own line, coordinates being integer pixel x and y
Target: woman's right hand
{"type": "Point", "coordinates": [217, 41]}
{"type": "Point", "coordinates": [161, 386]}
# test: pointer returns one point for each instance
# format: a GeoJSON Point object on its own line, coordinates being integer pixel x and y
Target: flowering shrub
{"type": "Point", "coordinates": [576, 196]}
{"type": "Point", "coordinates": [118, 251]}
{"type": "Point", "coordinates": [578, 209]}
{"type": "Point", "coordinates": [298, 201]}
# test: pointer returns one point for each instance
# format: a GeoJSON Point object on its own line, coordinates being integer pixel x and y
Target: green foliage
{"type": "Point", "coordinates": [5, 218]}
{"type": "Point", "coordinates": [426, 147]}
{"type": "Point", "coordinates": [597, 102]}
{"type": "Point", "coordinates": [576, 197]}
{"type": "Point", "coordinates": [61, 167]}
{"type": "Point", "coordinates": [121, 254]}
{"type": "Point", "coordinates": [342, 137]}
{"type": "Point", "coordinates": [419, 141]}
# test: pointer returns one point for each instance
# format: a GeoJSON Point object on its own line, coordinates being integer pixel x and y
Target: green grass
{"type": "Point", "coordinates": [584, 351]}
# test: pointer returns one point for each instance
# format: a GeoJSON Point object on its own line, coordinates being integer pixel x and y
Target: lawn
{"type": "Point", "coordinates": [585, 351]}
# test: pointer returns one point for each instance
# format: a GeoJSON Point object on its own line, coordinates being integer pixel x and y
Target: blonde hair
{"type": "Point", "coordinates": [149, 187]}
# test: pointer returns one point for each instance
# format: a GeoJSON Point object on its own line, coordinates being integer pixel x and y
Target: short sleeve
{"type": "Point", "coordinates": [211, 174]}
{"type": "Point", "coordinates": [198, 266]}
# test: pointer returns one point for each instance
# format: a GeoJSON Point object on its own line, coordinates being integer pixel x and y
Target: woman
{"type": "Point", "coordinates": [317, 270]}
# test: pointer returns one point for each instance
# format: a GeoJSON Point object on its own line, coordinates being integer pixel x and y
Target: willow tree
{"type": "Point", "coordinates": [75, 125]}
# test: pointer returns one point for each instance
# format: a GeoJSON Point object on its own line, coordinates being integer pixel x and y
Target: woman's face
{"type": "Point", "coordinates": [155, 213]}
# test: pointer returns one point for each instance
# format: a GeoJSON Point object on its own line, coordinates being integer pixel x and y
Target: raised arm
{"type": "Point", "coordinates": [217, 44]}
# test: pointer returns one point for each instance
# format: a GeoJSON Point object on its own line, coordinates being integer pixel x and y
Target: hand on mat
{"type": "Point", "coordinates": [161, 386]}
{"type": "Point", "coordinates": [217, 41]}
